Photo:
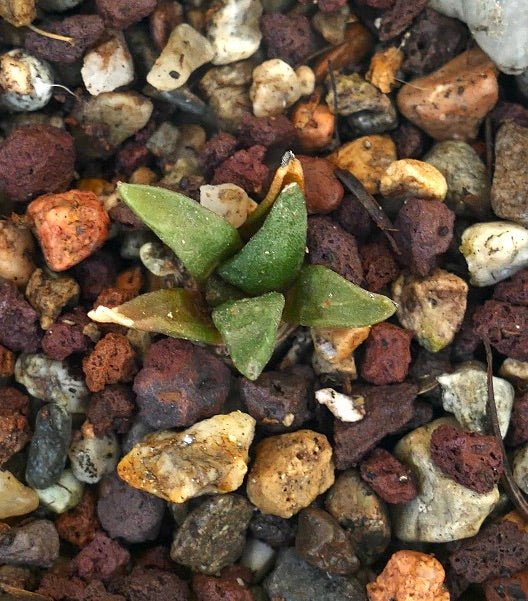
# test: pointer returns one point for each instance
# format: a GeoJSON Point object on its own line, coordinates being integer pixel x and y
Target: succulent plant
{"type": "Point", "coordinates": [247, 289]}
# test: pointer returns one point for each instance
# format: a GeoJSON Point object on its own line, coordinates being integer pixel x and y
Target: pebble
{"type": "Point", "coordinates": [451, 103]}
{"type": "Point", "coordinates": [364, 123]}
{"type": "Point", "coordinates": [16, 252]}
{"type": "Point", "coordinates": [290, 471]}
{"type": "Point", "coordinates": [108, 66]}
{"type": "Point", "coordinates": [232, 584]}
{"type": "Point", "coordinates": [332, 25]}
{"type": "Point", "coordinates": [33, 544]}
{"type": "Point", "coordinates": [52, 381]}
{"type": "Point", "coordinates": [322, 542]}
{"type": "Point", "coordinates": [257, 556]}
{"type": "Point", "coordinates": [410, 575]}
{"type": "Point", "coordinates": [323, 191]}
{"type": "Point", "coordinates": [362, 514]}
{"type": "Point", "coordinates": [14, 425]}
{"type": "Point", "coordinates": [16, 499]}
{"type": "Point", "coordinates": [354, 94]}
{"type": "Point", "coordinates": [409, 178]}
{"type": "Point", "coordinates": [49, 446]}
{"type": "Point", "coordinates": [100, 559]}
{"type": "Point", "coordinates": [336, 344]}
{"type": "Point", "coordinates": [79, 524]}
{"type": "Point", "coordinates": [194, 49]}
{"type": "Point", "coordinates": [213, 535]}
{"type": "Point", "coordinates": [516, 371]}
{"type": "Point", "coordinates": [92, 457]}
{"type": "Point", "coordinates": [510, 182]}
{"type": "Point", "coordinates": [392, 480]}
{"type": "Point", "coordinates": [431, 307]}
{"type": "Point", "coordinates": [233, 30]}
{"type": "Point", "coordinates": [465, 174]}
{"type": "Point", "coordinates": [123, 13]}
{"type": "Point", "coordinates": [444, 510]}
{"type": "Point", "coordinates": [272, 529]}
{"type": "Point", "coordinates": [464, 393]}
{"type": "Point", "coordinates": [65, 494]}
{"type": "Point", "coordinates": [346, 408]}
{"type": "Point", "coordinates": [367, 158]}
{"type": "Point", "coordinates": [229, 201]}
{"type": "Point", "coordinates": [520, 468]}
{"type": "Point", "coordinates": [293, 579]}
{"type": "Point", "coordinates": [209, 457]}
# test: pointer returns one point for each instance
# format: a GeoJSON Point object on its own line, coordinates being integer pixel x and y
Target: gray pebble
{"type": "Point", "coordinates": [34, 544]}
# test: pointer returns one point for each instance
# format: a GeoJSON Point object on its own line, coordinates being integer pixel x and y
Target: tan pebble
{"type": "Point", "coordinates": [451, 102]}
{"type": "Point", "coordinates": [384, 66]}
{"type": "Point", "coordinates": [514, 370]}
{"type": "Point", "coordinates": [410, 576]}
{"type": "Point", "coordinates": [367, 158]}
{"type": "Point", "coordinates": [16, 499]}
{"type": "Point", "coordinates": [209, 457]}
{"type": "Point", "coordinates": [336, 344]}
{"type": "Point", "coordinates": [408, 177]}
{"type": "Point", "coordinates": [290, 471]}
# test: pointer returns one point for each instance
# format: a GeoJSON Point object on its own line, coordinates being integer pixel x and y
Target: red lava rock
{"type": "Point", "coordinates": [96, 591]}
{"type": "Point", "coordinates": [514, 290]}
{"type": "Point", "coordinates": [324, 191]}
{"type": "Point", "coordinates": [387, 408]}
{"type": "Point", "coordinates": [278, 400]}
{"type": "Point", "coordinates": [270, 132]}
{"type": "Point", "coordinates": [288, 37]}
{"type": "Point", "coordinates": [66, 337]}
{"type": "Point", "coordinates": [505, 325]}
{"type": "Point", "coordinates": [156, 557]}
{"type": "Point", "coordinates": [411, 142]}
{"type": "Point", "coordinates": [330, 245]}
{"type": "Point", "coordinates": [120, 14]}
{"type": "Point", "coordinates": [111, 361]}
{"type": "Point", "coordinates": [388, 477]}
{"type": "Point", "coordinates": [180, 384]}
{"type": "Point", "coordinates": [379, 265]}
{"type": "Point", "coordinates": [397, 19]}
{"type": "Point", "coordinates": [101, 559]}
{"type": "Point", "coordinates": [499, 549]}
{"type": "Point", "coordinates": [216, 150]}
{"type": "Point", "coordinates": [19, 322]}
{"type": "Point", "coordinates": [471, 459]}
{"type": "Point", "coordinates": [353, 218]}
{"type": "Point", "coordinates": [424, 232]}
{"type": "Point", "coordinates": [96, 273]}
{"type": "Point", "coordinates": [79, 525]}
{"type": "Point", "coordinates": [84, 29]}
{"type": "Point", "coordinates": [132, 156]}
{"type": "Point", "coordinates": [113, 297]}
{"type": "Point", "coordinates": [154, 585]}
{"type": "Point", "coordinates": [514, 588]}
{"type": "Point", "coordinates": [518, 430]}
{"type": "Point", "coordinates": [387, 354]}
{"type": "Point", "coordinates": [231, 585]}
{"type": "Point", "coordinates": [36, 159]}
{"type": "Point", "coordinates": [111, 409]}
{"type": "Point", "coordinates": [61, 588]}
{"type": "Point", "coordinates": [245, 168]}
{"type": "Point", "coordinates": [69, 226]}
{"type": "Point", "coordinates": [14, 426]}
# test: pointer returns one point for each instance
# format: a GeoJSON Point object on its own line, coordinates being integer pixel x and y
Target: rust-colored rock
{"type": "Point", "coordinates": [514, 290]}
{"type": "Point", "coordinates": [7, 362]}
{"type": "Point", "coordinates": [513, 588]}
{"type": "Point", "coordinates": [245, 168]}
{"type": "Point", "coordinates": [111, 409]}
{"type": "Point", "coordinates": [120, 14]}
{"type": "Point", "coordinates": [231, 585]}
{"type": "Point", "coordinates": [379, 265]}
{"type": "Point", "coordinates": [388, 477]}
{"type": "Point", "coordinates": [324, 191]}
{"type": "Point", "coordinates": [79, 525]}
{"type": "Point", "coordinates": [111, 361]}
{"type": "Point", "coordinates": [14, 426]}
{"type": "Point", "coordinates": [518, 430]}
{"type": "Point", "coordinates": [66, 336]}
{"type": "Point", "coordinates": [101, 559]}
{"type": "Point", "coordinates": [278, 132]}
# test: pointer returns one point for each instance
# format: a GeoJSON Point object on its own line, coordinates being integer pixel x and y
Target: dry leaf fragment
{"type": "Point", "coordinates": [383, 68]}
{"type": "Point", "coordinates": [18, 12]}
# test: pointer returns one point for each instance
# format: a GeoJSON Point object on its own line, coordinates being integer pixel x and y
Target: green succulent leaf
{"type": "Point", "coordinates": [272, 258]}
{"type": "Point", "coordinates": [199, 238]}
{"type": "Point", "coordinates": [176, 312]}
{"type": "Point", "coordinates": [322, 298]}
{"type": "Point", "coordinates": [218, 291]}
{"type": "Point", "coordinates": [249, 329]}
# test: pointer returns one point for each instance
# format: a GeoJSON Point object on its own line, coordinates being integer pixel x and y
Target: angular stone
{"type": "Point", "coordinates": [33, 544]}
{"type": "Point", "coordinates": [16, 499]}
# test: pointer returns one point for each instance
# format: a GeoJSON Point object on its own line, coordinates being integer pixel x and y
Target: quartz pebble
{"type": "Point", "coordinates": [258, 557]}
{"type": "Point", "coordinates": [92, 457]}
{"type": "Point", "coordinates": [229, 201]}
{"type": "Point", "coordinates": [346, 408]}
{"type": "Point", "coordinates": [408, 177]}
{"type": "Point", "coordinates": [16, 499]}
{"type": "Point", "coordinates": [212, 536]}
{"type": "Point", "coordinates": [65, 494]}
{"type": "Point", "coordinates": [209, 457]}
{"type": "Point", "coordinates": [443, 511]}
{"type": "Point", "coordinates": [32, 544]}
{"type": "Point", "coordinates": [290, 471]}
{"type": "Point", "coordinates": [464, 393]}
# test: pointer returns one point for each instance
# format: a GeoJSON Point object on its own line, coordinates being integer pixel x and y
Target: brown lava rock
{"type": "Point", "coordinates": [278, 400]}
{"type": "Point", "coordinates": [518, 430]}
{"type": "Point", "coordinates": [379, 266]}
{"type": "Point", "coordinates": [388, 477]}
{"type": "Point", "coordinates": [397, 19]}
{"type": "Point", "coordinates": [96, 273]}
{"type": "Point", "coordinates": [514, 290]}
{"type": "Point", "coordinates": [120, 14]}
{"type": "Point", "coordinates": [96, 591]}
{"type": "Point", "coordinates": [101, 559]}
{"type": "Point", "coordinates": [324, 191]}
{"type": "Point", "coordinates": [79, 525]}
{"type": "Point", "coordinates": [424, 232]}
{"type": "Point", "coordinates": [387, 408]}
{"type": "Point", "coordinates": [387, 354]}
{"type": "Point", "coordinates": [330, 245]}
{"type": "Point", "coordinates": [14, 426]}
{"type": "Point", "coordinates": [270, 132]}
{"type": "Point", "coordinates": [180, 384]}
{"type": "Point", "coordinates": [231, 585]}
{"type": "Point", "coordinates": [245, 168]}
{"type": "Point", "coordinates": [471, 459]}
{"type": "Point", "coordinates": [152, 584]}
{"type": "Point", "coordinates": [113, 297]}
{"type": "Point", "coordinates": [36, 159]}
{"type": "Point", "coordinates": [111, 409]}
{"type": "Point", "coordinates": [216, 150]}
{"type": "Point", "coordinates": [66, 336]}
{"type": "Point", "coordinates": [111, 361]}
{"type": "Point", "coordinates": [60, 587]}
{"type": "Point", "coordinates": [19, 322]}
{"type": "Point", "coordinates": [288, 37]}
{"type": "Point", "coordinates": [353, 217]}
{"type": "Point", "coordinates": [514, 588]}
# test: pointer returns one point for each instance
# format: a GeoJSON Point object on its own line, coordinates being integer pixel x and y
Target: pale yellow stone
{"type": "Point", "coordinates": [209, 457]}
{"type": "Point", "coordinates": [409, 177]}
{"type": "Point", "coordinates": [15, 498]}
{"type": "Point", "coordinates": [514, 370]}
{"type": "Point", "coordinates": [337, 344]}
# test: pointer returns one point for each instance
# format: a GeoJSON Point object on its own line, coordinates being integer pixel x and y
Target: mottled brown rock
{"type": "Point", "coordinates": [424, 233]}
{"type": "Point", "coordinates": [330, 245]}
{"type": "Point", "coordinates": [163, 20]}
{"type": "Point", "coordinates": [19, 327]}
{"type": "Point", "coordinates": [96, 273]}
{"type": "Point", "coordinates": [513, 588]}
{"type": "Point", "coordinates": [216, 150]}
{"type": "Point", "coordinates": [79, 525]}
{"type": "Point", "coordinates": [513, 290]}
{"type": "Point", "coordinates": [388, 477]}
{"type": "Point", "coordinates": [60, 587]}
{"type": "Point", "coordinates": [245, 168]}
{"type": "Point", "coordinates": [153, 584]}
{"type": "Point", "coordinates": [288, 37]}
{"type": "Point", "coordinates": [470, 459]}
{"type": "Point", "coordinates": [379, 265]}
{"type": "Point", "coordinates": [113, 297]}
{"type": "Point", "coordinates": [499, 549]}
{"type": "Point", "coordinates": [179, 384]}
{"type": "Point", "coordinates": [387, 354]}
{"type": "Point", "coordinates": [111, 361]}
{"type": "Point", "coordinates": [353, 217]}
{"type": "Point", "coordinates": [270, 132]}
{"type": "Point", "coordinates": [322, 542]}
{"type": "Point", "coordinates": [324, 191]}
{"type": "Point", "coordinates": [14, 426]}
{"type": "Point", "coordinates": [111, 409]}
{"type": "Point", "coordinates": [518, 429]}
{"type": "Point", "coordinates": [7, 362]}
{"type": "Point", "coordinates": [66, 336]}
{"type": "Point", "coordinates": [36, 159]}
{"type": "Point", "coordinates": [69, 226]}
{"type": "Point", "coordinates": [399, 17]}
{"type": "Point", "coordinates": [96, 591]}
{"type": "Point", "coordinates": [120, 14]}
{"type": "Point", "coordinates": [411, 141]}
{"type": "Point", "coordinates": [278, 400]}
{"type": "Point", "coordinates": [101, 559]}
{"type": "Point", "coordinates": [505, 325]}
{"type": "Point", "coordinates": [387, 408]}
{"type": "Point", "coordinates": [231, 585]}
{"type": "Point", "coordinates": [131, 156]}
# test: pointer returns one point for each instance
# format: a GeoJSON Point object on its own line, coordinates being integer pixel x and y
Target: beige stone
{"type": "Point", "coordinates": [16, 499]}
{"type": "Point", "coordinates": [337, 344]}
{"type": "Point", "coordinates": [367, 158]}
{"type": "Point", "coordinates": [209, 457]}
{"type": "Point", "coordinates": [516, 371]}
{"type": "Point", "coordinates": [409, 177]}
{"type": "Point", "coordinates": [451, 102]}
{"type": "Point", "coordinates": [290, 471]}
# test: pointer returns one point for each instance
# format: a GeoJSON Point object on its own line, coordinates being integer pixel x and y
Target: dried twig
{"type": "Point", "coordinates": [334, 93]}
{"type": "Point", "coordinates": [53, 36]}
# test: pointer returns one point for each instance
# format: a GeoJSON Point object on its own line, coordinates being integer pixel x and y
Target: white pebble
{"type": "Point", "coordinates": [65, 494]}
{"type": "Point", "coordinates": [520, 468]}
{"type": "Point", "coordinates": [91, 457]}
{"type": "Point", "coordinates": [306, 78]}
{"type": "Point", "coordinates": [346, 408]}
{"type": "Point", "coordinates": [229, 201]}
{"type": "Point", "coordinates": [275, 87]}
{"type": "Point", "coordinates": [258, 557]}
